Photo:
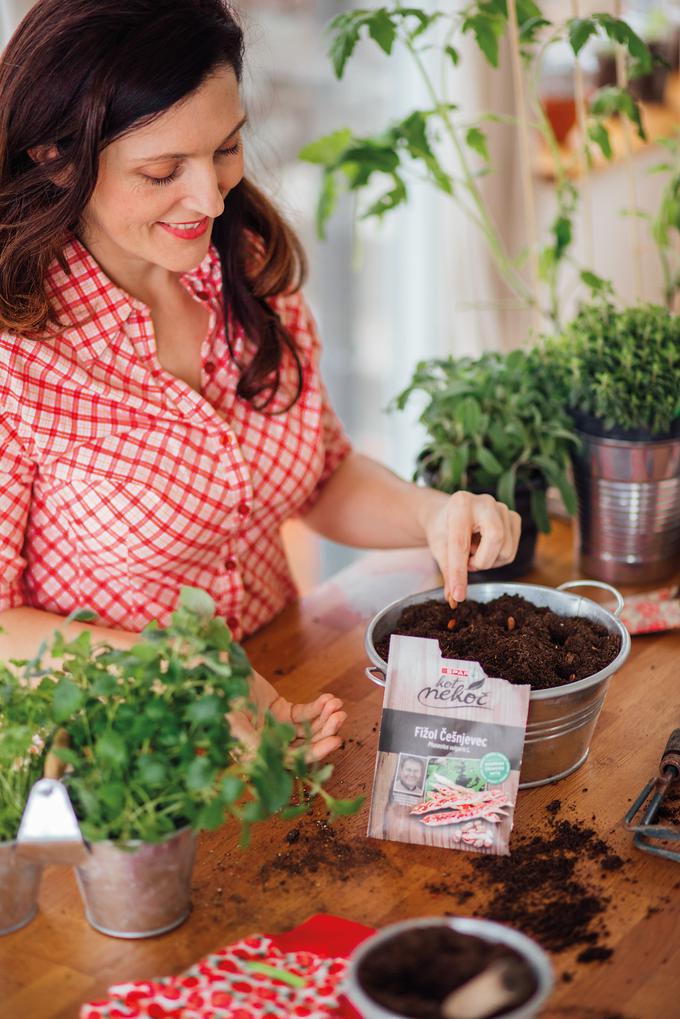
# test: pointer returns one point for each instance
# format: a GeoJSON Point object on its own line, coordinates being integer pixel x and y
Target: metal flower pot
{"type": "Point", "coordinates": [561, 719]}
{"type": "Point", "coordinates": [141, 890]}
{"type": "Point", "coordinates": [496, 933]}
{"type": "Point", "coordinates": [629, 508]}
{"type": "Point", "coordinates": [19, 885]}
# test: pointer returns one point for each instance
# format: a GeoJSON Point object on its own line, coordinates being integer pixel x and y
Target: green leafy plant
{"type": "Point", "coordinates": [150, 745]}
{"type": "Point", "coordinates": [22, 749]}
{"type": "Point", "coordinates": [438, 144]}
{"type": "Point", "coordinates": [493, 425]}
{"type": "Point", "coordinates": [665, 224]}
{"type": "Point", "coordinates": [619, 366]}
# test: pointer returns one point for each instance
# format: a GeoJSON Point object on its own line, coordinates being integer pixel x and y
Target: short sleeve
{"type": "Point", "coordinates": [17, 471]}
{"type": "Point", "coordinates": [337, 445]}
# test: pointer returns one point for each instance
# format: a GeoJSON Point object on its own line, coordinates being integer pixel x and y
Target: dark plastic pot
{"type": "Point", "coordinates": [524, 560]}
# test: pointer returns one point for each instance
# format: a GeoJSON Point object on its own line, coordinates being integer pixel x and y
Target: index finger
{"type": "Point", "coordinates": [459, 526]}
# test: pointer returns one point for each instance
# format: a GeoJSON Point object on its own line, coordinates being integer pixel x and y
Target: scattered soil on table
{"type": "Point", "coordinates": [596, 953]}
{"type": "Point", "coordinates": [513, 639]}
{"type": "Point", "coordinates": [314, 845]}
{"type": "Point", "coordinates": [413, 972]}
{"type": "Point", "coordinates": [546, 888]}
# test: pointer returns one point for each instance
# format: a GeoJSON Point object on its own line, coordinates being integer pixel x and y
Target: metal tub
{"type": "Point", "coordinates": [562, 719]}
{"type": "Point", "coordinates": [629, 508]}
{"type": "Point", "coordinates": [19, 885]}
{"type": "Point", "coordinates": [140, 890]}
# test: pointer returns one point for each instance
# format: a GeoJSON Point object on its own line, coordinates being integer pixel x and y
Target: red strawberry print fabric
{"type": "Point", "coordinates": [239, 982]}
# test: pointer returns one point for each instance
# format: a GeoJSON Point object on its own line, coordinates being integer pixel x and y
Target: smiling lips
{"type": "Point", "coordinates": [187, 231]}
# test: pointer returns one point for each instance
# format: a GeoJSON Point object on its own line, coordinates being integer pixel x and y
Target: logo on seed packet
{"type": "Point", "coordinates": [450, 750]}
{"type": "Point", "coordinates": [462, 684]}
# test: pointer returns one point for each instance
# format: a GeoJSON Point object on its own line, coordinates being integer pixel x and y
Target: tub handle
{"type": "Point", "coordinates": [376, 675]}
{"type": "Point", "coordinates": [569, 584]}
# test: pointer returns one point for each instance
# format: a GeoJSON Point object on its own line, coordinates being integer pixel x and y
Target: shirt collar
{"type": "Point", "coordinates": [92, 309]}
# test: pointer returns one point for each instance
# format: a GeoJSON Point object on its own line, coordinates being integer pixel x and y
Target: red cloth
{"type": "Point", "coordinates": [241, 981]}
{"type": "Point", "coordinates": [120, 482]}
{"type": "Point", "coordinates": [652, 612]}
{"type": "Point", "coordinates": [326, 935]}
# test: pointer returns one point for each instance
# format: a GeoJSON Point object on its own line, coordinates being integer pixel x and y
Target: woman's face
{"type": "Point", "coordinates": [161, 186]}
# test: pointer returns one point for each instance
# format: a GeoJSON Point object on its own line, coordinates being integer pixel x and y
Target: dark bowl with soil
{"type": "Point", "coordinates": [564, 645]}
{"type": "Point", "coordinates": [410, 968]}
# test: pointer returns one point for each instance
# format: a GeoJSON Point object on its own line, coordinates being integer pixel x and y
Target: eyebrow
{"type": "Point", "coordinates": [183, 155]}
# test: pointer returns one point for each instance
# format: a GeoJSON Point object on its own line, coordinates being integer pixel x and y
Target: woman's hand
{"type": "Point", "coordinates": [322, 717]}
{"type": "Point", "coordinates": [365, 505]}
{"type": "Point", "coordinates": [468, 532]}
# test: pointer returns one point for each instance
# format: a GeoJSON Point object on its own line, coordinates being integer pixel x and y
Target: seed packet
{"type": "Point", "coordinates": [450, 750]}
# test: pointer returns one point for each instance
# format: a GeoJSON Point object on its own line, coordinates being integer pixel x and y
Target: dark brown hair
{"type": "Point", "coordinates": [76, 75]}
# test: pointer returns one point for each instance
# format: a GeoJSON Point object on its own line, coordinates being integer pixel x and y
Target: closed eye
{"type": "Point", "coordinates": [232, 150]}
{"type": "Point", "coordinates": [163, 180]}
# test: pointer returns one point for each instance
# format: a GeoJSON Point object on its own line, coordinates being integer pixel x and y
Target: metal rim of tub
{"type": "Point", "coordinates": [488, 591]}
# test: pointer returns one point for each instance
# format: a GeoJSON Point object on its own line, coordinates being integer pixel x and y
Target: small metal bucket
{"type": "Point", "coordinates": [561, 719]}
{"type": "Point", "coordinates": [19, 885]}
{"type": "Point", "coordinates": [141, 890]}
{"type": "Point", "coordinates": [629, 508]}
{"type": "Point", "coordinates": [486, 929]}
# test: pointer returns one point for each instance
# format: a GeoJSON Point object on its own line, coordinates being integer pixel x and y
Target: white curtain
{"type": "Point", "coordinates": [11, 13]}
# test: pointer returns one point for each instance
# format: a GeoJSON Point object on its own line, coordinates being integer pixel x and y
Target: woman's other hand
{"type": "Point", "coordinates": [468, 532]}
{"type": "Point", "coordinates": [322, 718]}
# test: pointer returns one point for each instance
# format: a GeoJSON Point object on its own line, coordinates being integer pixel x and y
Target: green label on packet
{"type": "Point", "coordinates": [494, 768]}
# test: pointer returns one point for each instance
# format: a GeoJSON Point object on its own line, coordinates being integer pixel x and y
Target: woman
{"type": "Point", "coordinates": [162, 410]}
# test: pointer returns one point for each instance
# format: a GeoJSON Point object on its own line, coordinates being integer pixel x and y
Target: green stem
{"type": "Point", "coordinates": [481, 214]}
{"type": "Point", "coordinates": [561, 181]}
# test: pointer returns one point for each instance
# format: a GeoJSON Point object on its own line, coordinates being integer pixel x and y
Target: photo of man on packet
{"type": "Point", "coordinates": [409, 778]}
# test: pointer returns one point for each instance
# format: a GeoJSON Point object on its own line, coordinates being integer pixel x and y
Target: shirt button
{"type": "Point", "coordinates": [232, 622]}
{"type": "Point", "coordinates": [226, 439]}
{"type": "Point", "coordinates": [231, 565]}
{"type": "Point", "coordinates": [209, 367]}
{"type": "Point", "coordinates": [243, 509]}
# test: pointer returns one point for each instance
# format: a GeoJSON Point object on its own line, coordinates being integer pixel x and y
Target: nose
{"type": "Point", "coordinates": [206, 192]}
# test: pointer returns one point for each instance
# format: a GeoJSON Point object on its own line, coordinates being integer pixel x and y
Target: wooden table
{"type": "Point", "coordinates": [57, 962]}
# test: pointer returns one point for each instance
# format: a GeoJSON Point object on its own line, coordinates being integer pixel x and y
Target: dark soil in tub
{"type": "Point", "coordinates": [413, 972]}
{"type": "Point", "coordinates": [513, 639]}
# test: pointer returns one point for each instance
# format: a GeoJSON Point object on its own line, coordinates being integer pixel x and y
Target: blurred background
{"type": "Point", "coordinates": [421, 283]}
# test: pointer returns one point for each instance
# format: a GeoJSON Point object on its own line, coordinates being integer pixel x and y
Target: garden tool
{"type": "Point", "coordinates": [493, 989]}
{"type": "Point", "coordinates": [647, 833]}
{"type": "Point", "coordinates": [49, 831]}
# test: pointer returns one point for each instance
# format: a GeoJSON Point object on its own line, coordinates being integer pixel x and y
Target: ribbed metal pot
{"type": "Point", "coordinates": [19, 885]}
{"type": "Point", "coordinates": [629, 508]}
{"type": "Point", "coordinates": [496, 933]}
{"type": "Point", "coordinates": [141, 890]}
{"type": "Point", "coordinates": [561, 719]}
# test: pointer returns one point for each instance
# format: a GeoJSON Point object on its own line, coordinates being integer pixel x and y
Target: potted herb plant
{"type": "Point", "coordinates": [494, 426]}
{"type": "Point", "coordinates": [618, 373]}
{"type": "Point", "coordinates": [21, 763]}
{"type": "Point", "coordinates": [152, 757]}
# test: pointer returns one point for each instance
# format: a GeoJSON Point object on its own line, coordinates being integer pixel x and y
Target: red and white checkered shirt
{"type": "Point", "coordinates": [119, 482]}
